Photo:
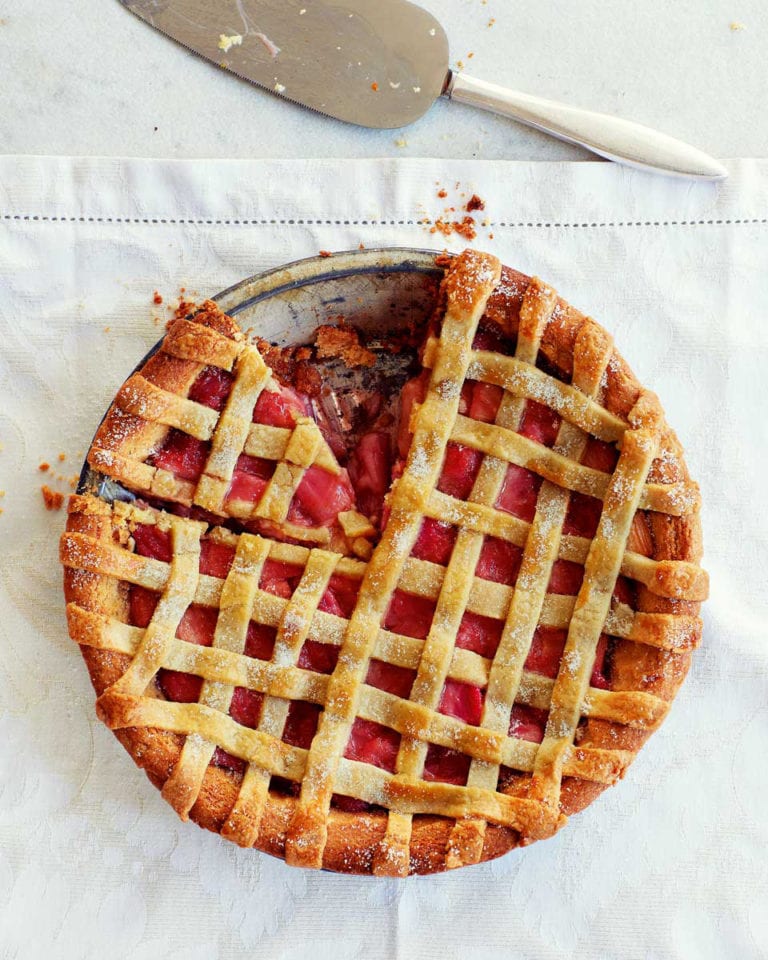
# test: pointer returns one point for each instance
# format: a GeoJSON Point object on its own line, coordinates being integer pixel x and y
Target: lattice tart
{"type": "Point", "coordinates": [405, 685]}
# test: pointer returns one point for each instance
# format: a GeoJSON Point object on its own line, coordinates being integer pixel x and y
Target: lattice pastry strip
{"type": "Point", "coordinates": [676, 579]}
{"type": "Point", "coordinates": [393, 854]}
{"type": "Point", "coordinates": [107, 633]}
{"type": "Point", "coordinates": [243, 823]}
{"type": "Point", "coordinates": [177, 596]}
{"type": "Point", "coordinates": [145, 411]}
{"type": "Point", "coordinates": [228, 442]}
{"type": "Point", "coordinates": [525, 609]}
{"type": "Point", "coordinates": [229, 668]}
{"type": "Point", "coordinates": [675, 499]}
{"type": "Point", "coordinates": [275, 679]}
{"type": "Point", "coordinates": [627, 707]}
{"type": "Point", "coordinates": [308, 832]}
{"type": "Point", "coordinates": [237, 597]}
{"type": "Point", "coordinates": [624, 495]}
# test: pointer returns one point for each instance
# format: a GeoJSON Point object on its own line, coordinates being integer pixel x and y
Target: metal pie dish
{"type": "Point", "coordinates": [377, 290]}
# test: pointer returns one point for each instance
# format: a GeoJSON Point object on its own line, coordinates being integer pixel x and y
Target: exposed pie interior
{"type": "Point", "coordinates": [420, 657]}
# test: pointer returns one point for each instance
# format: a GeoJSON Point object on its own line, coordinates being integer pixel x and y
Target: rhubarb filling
{"type": "Point", "coordinates": [365, 478]}
{"type": "Point", "coordinates": [320, 496]}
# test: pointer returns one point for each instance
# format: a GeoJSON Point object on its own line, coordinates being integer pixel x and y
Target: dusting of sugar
{"type": "Point", "coordinates": [418, 465]}
{"type": "Point", "coordinates": [448, 389]}
{"type": "Point", "coordinates": [294, 622]}
{"type": "Point", "coordinates": [572, 661]}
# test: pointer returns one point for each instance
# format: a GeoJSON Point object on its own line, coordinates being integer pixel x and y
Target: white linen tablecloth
{"type": "Point", "coordinates": [671, 862]}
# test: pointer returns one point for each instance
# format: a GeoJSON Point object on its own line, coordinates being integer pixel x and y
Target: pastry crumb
{"type": "Point", "coordinates": [464, 228]}
{"type": "Point", "coordinates": [185, 306]}
{"type": "Point", "coordinates": [736, 25]}
{"type": "Point", "coordinates": [345, 344]}
{"type": "Point", "coordinates": [44, 467]}
{"type": "Point", "coordinates": [450, 221]}
{"type": "Point", "coordinates": [401, 142]}
{"type": "Point", "coordinates": [157, 298]}
{"type": "Point", "coordinates": [326, 253]}
{"type": "Point", "coordinates": [52, 498]}
{"type": "Point", "coordinates": [62, 457]}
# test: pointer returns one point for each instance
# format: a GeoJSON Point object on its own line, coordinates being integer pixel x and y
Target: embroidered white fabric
{"type": "Point", "coordinates": [670, 863]}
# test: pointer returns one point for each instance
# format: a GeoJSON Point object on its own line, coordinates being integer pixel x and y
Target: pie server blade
{"type": "Point", "coordinates": [383, 63]}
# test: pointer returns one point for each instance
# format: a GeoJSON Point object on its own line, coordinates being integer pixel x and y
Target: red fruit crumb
{"type": "Point", "coordinates": [157, 298]}
{"type": "Point", "coordinates": [475, 203]}
{"type": "Point", "coordinates": [374, 87]}
{"type": "Point", "coordinates": [44, 467]}
{"type": "Point", "coordinates": [53, 499]}
{"type": "Point", "coordinates": [442, 194]}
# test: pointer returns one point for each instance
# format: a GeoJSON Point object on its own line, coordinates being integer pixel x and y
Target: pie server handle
{"type": "Point", "coordinates": [611, 137]}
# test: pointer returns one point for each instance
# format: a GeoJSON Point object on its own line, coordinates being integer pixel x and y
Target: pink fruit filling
{"type": "Point", "coordinates": [435, 541]}
{"type": "Point", "coordinates": [460, 469]}
{"type": "Point", "coordinates": [182, 455]}
{"type": "Point", "coordinates": [250, 479]}
{"type": "Point", "coordinates": [280, 408]}
{"type": "Point", "coordinates": [370, 470]}
{"type": "Point", "coordinates": [212, 387]}
{"type": "Point", "coordinates": [319, 499]}
{"type": "Point", "coordinates": [320, 496]}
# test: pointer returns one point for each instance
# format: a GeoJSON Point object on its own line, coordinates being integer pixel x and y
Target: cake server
{"type": "Point", "coordinates": [383, 63]}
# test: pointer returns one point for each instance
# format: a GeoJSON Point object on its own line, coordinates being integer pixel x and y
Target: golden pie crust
{"type": "Point", "coordinates": [649, 531]}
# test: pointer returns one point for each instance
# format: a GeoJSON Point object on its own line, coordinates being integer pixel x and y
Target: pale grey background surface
{"type": "Point", "coordinates": [88, 78]}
